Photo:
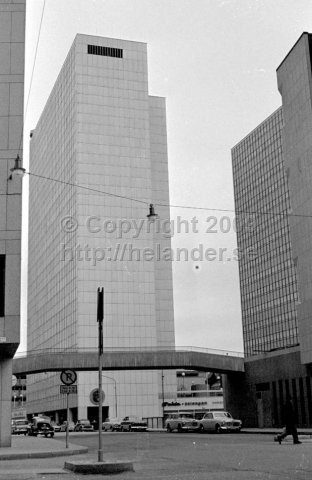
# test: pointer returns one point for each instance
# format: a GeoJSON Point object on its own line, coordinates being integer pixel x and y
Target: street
{"type": "Point", "coordinates": [178, 456]}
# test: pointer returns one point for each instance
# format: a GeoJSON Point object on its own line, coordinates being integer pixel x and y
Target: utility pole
{"type": "Point", "coordinates": [100, 316]}
{"type": "Point", "coordinates": [163, 398]}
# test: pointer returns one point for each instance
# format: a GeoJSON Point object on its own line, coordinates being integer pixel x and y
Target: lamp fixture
{"type": "Point", "coordinates": [17, 170]}
{"type": "Point", "coordinates": [152, 215]}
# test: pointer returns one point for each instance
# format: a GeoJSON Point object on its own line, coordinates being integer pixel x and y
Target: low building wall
{"type": "Point", "coordinates": [257, 396]}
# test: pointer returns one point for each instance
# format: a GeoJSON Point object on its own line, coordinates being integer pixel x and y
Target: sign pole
{"type": "Point", "coordinates": [67, 415]}
{"type": "Point", "coordinates": [68, 378]}
{"type": "Point", "coordinates": [100, 315]}
{"type": "Point", "coordinates": [163, 398]}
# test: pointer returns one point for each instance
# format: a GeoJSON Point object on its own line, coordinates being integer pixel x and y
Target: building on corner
{"type": "Point", "coordinates": [98, 159]}
{"type": "Point", "coordinates": [12, 46]}
{"type": "Point", "coordinates": [272, 173]}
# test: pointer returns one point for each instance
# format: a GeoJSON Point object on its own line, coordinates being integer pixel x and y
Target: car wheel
{"type": "Point", "coordinates": [169, 429]}
{"type": "Point", "coordinates": [179, 428]}
{"type": "Point", "coordinates": [218, 429]}
{"type": "Point", "coordinates": [201, 429]}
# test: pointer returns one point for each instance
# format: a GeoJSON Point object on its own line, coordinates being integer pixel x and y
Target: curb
{"type": "Point", "coordinates": [46, 454]}
{"type": "Point", "coordinates": [272, 432]}
{"type": "Point", "coordinates": [104, 468]}
{"type": "Point", "coordinates": [247, 431]}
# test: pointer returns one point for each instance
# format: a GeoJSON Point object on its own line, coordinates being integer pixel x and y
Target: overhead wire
{"type": "Point", "coordinates": [31, 78]}
{"type": "Point", "coordinates": [189, 207]}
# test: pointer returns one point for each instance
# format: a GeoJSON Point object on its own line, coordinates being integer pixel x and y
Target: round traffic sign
{"type": "Point", "coordinates": [95, 396]}
{"type": "Point", "coordinates": [68, 377]}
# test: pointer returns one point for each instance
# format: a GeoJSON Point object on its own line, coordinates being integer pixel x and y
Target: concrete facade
{"type": "Point", "coordinates": [257, 396]}
{"type": "Point", "coordinates": [12, 43]}
{"type": "Point", "coordinates": [100, 130]}
{"type": "Point", "coordinates": [272, 176]}
{"type": "Point", "coordinates": [295, 84]}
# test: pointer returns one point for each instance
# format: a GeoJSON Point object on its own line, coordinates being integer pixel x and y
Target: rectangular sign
{"type": "Point", "coordinates": [19, 413]}
{"type": "Point", "coordinates": [3, 339]}
{"type": "Point", "coordinates": [68, 388]}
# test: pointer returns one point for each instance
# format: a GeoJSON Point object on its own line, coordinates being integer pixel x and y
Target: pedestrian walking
{"type": "Point", "coordinates": [290, 423]}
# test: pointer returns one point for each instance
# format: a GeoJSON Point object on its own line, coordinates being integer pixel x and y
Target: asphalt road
{"type": "Point", "coordinates": [180, 456]}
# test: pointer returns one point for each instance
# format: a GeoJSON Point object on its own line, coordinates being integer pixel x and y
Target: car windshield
{"type": "Point", "coordinates": [222, 414]}
{"type": "Point", "coordinates": [199, 416]}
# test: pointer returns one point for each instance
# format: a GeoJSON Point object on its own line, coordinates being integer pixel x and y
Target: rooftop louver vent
{"type": "Point", "coordinates": [105, 51]}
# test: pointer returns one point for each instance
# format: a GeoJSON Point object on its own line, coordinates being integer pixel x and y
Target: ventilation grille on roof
{"type": "Point", "coordinates": [105, 51]}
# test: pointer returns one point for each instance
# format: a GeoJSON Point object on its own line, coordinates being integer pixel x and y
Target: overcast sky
{"type": "Point", "coordinates": [215, 62]}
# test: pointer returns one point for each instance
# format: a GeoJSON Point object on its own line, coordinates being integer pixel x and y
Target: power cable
{"type": "Point", "coordinates": [189, 207]}
{"type": "Point", "coordinates": [31, 78]}
{"type": "Point", "coordinates": [86, 188]}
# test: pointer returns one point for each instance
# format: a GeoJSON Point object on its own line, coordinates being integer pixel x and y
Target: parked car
{"type": "Point", "coordinates": [19, 427]}
{"type": "Point", "coordinates": [129, 424]}
{"type": "Point", "coordinates": [56, 426]}
{"type": "Point", "coordinates": [71, 426]}
{"type": "Point", "coordinates": [83, 426]}
{"type": "Point", "coordinates": [181, 422]}
{"type": "Point", "coordinates": [219, 422]}
{"type": "Point", "coordinates": [111, 424]}
{"type": "Point", "coordinates": [40, 426]}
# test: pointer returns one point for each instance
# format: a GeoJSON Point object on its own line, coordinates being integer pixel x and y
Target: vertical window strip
{"type": "Point", "coordinates": [309, 398]}
{"type": "Point", "coordinates": [302, 405]}
{"type": "Point", "coordinates": [2, 285]}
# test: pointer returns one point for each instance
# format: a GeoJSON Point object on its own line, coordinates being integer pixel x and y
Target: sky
{"type": "Point", "coordinates": [215, 62]}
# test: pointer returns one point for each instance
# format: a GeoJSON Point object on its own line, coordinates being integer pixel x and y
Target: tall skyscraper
{"type": "Point", "coordinates": [12, 45]}
{"type": "Point", "coordinates": [294, 84]}
{"type": "Point", "coordinates": [272, 182]}
{"type": "Point", "coordinates": [268, 279]}
{"type": "Point", "coordinates": [101, 146]}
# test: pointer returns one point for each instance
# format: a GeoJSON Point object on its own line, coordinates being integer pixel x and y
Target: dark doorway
{"type": "Point", "coordinates": [93, 415]}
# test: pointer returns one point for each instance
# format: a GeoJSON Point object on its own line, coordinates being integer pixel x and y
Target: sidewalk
{"type": "Point", "coordinates": [38, 447]}
{"type": "Point", "coordinates": [276, 430]}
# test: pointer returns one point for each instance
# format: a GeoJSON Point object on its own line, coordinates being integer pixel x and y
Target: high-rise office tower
{"type": "Point", "coordinates": [272, 173]}
{"type": "Point", "coordinates": [101, 146]}
{"type": "Point", "coordinates": [268, 281]}
{"type": "Point", "coordinates": [12, 45]}
{"type": "Point", "coordinates": [295, 84]}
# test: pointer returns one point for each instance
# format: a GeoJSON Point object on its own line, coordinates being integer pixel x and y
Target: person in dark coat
{"type": "Point", "coordinates": [290, 423]}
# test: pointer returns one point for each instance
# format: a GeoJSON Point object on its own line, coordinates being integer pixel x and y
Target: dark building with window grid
{"type": "Point", "coordinates": [272, 173]}
{"type": "Point", "coordinates": [268, 277]}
